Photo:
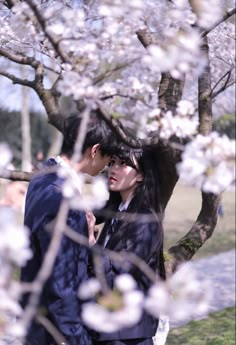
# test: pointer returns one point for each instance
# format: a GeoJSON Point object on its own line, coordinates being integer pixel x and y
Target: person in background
{"type": "Point", "coordinates": [59, 297]}
{"type": "Point", "coordinates": [134, 189]}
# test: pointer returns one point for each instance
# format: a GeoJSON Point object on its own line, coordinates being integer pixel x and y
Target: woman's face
{"type": "Point", "coordinates": [122, 177]}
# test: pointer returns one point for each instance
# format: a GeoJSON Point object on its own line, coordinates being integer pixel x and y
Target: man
{"type": "Point", "coordinates": [59, 298]}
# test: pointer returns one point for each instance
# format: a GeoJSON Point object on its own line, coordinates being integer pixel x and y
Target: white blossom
{"type": "Point", "coordinates": [125, 283]}
{"type": "Point", "coordinates": [207, 11]}
{"type": "Point", "coordinates": [14, 238]}
{"type": "Point", "coordinates": [185, 108]}
{"type": "Point", "coordinates": [118, 309]}
{"type": "Point", "coordinates": [5, 155]}
{"type": "Point", "coordinates": [178, 297]}
{"type": "Point", "coordinates": [89, 289]}
{"type": "Point", "coordinates": [208, 162]}
{"type": "Point", "coordinates": [182, 124]}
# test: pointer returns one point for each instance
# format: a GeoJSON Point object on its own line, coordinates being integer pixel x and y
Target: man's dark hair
{"type": "Point", "coordinates": [98, 132]}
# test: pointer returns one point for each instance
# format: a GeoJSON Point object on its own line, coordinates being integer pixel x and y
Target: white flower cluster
{"type": "Point", "coordinates": [14, 241]}
{"type": "Point", "coordinates": [14, 251]}
{"type": "Point", "coordinates": [176, 298]}
{"type": "Point", "coordinates": [120, 308]}
{"type": "Point", "coordinates": [208, 12]}
{"type": "Point", "coordinates": [180, 296]}
{"type": "Point", "coordinates": [82, 195]}
{"type": "Point", "coordinates": [177, 54]}
{"type": "Point", "coordinates": [208, 162]}
{"type": "Point", "coordinates": [182, 124]}
{"type": "Point", "coordinates": [5, 156]}
{"type": "Point", "coordinates": [73, 84]}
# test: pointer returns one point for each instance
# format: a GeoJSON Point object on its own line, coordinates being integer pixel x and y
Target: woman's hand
{"type": "Point", "coordinates": [91, 220]}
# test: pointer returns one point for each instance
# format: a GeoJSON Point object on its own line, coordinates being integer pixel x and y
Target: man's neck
{"type": "Point", "coordinates": [78, 167]}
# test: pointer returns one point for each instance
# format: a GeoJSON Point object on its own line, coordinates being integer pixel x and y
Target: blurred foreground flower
{"type": "Point", "coordinates": [180, 296]}
{"type": "Point", "coordinates": [14, 251]}
{"type": "Point", "coordinates": [208, 162]}
{"type": "Point", "coordinates": [5, 156]}
{"type": "Point", "coordinates": [14, 241]}
{"type": "Point", "coordinates": [120, 308]}
{"type": "Point", "coordinates": [83, 195]}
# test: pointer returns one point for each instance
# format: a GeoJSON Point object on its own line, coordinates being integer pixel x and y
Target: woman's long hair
{"type": "Point", "coordinates": [147, 192]}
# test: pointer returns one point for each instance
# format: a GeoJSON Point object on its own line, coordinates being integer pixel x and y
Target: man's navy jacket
{"type": "Point", "coordinates": [59, 298]}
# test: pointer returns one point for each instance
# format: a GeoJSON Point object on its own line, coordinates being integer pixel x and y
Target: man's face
{"type": "Point", "coordinates": [98, 163]}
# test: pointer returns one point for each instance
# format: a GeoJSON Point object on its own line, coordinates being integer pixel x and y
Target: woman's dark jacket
{"type": "Point", "coordinates": [142, 237]}
{"type": "Point", "coordinates": [59, 302]}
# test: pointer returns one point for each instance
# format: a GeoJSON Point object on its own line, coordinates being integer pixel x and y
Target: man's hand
{"type": "Point", "coordinates": [91, 227]}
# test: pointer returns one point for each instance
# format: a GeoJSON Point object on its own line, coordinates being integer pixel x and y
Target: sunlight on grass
{"type": "Point", "coordinates": [217, 329]}
{"type": "Point", "coordinates": [182, 212]}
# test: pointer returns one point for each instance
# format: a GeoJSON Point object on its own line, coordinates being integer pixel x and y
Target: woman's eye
{"type": "Point", "coordinates": [111, 163]}
{"type": "Point", "coordinates": [123, 162]}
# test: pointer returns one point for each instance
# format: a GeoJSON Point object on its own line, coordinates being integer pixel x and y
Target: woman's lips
{"type": "Point", "coordinates": [112, 179]}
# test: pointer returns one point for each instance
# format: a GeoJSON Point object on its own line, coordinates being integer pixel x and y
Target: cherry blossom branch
{"type": "Point", "coordinates": [120, 257]}
{"type": "Point", "coordinates": [108, 73]}
{"type": "Point", "coordinates": [16, 175]}
{"type": "Point", "coordinates": [221, 20]}
{"type": "Point", "coordinates": [42, 23]}
{"type": "Point", "coordinates": [51, 329]}
{"type": "Point", "coordinates": [23, 60]}
{"type": "Point", "coordinates": [104, 98]}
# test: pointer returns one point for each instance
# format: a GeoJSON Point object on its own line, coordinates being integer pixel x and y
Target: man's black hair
{"type": "Point", "coordinates": [98, 132]}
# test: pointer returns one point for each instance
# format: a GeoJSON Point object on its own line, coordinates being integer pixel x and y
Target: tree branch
{"type": "Point", "coordinates": [16, 80]}
{"type": "Point", "coordinates": [227, 75]}
{"type": "Point", "coordinates": [64, 57]}
{"type": "Point", "coordinates": [16, 175]}
{"type": "Point", "coordinates": [222, 89]}
{"type": "Point", "coordinates": [221, 20]}
{"type": "Point", "coordinates": [23, 60]}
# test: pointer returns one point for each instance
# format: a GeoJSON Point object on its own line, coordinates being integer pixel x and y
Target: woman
{"type": "Point", "coordinates": [134, 188]}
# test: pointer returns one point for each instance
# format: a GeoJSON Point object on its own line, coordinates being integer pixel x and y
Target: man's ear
{"type": "Point", "coordinates": [94, 150]}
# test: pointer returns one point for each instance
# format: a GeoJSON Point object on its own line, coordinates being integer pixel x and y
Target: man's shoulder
{"type": "Point", "coordinates": [44, 188]}
{"type": "Point", "coordinates": [45, 179]}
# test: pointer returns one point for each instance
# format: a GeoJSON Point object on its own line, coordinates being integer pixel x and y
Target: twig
{"type": "Point", "coordinates": [228, 75]}
{"type": "Point", "coordinates": [47, 324]}
{"type": "Point", "coordinates": [42, 23]}
{"type": "Point", "coordinates": [118, 257]}
{"type": "Point", "coordinates": [221, 20]}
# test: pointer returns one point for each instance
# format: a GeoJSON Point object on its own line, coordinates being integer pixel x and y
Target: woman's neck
{"type": "Point", "coordinates": [126, 196]}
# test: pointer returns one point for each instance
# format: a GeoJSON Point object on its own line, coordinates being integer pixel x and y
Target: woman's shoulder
{"type": "Point", "coordinates": [139, 207]}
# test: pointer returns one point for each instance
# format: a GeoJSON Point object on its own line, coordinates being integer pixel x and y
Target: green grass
{"type": "Point", "coordinates": [182, 212]}
{"type": "Point", "coordinates": [217, 329]}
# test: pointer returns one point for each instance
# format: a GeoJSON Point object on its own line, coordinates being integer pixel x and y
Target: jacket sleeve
{"type": "Point", "coordinates": [69, 270]}
{"type": "Point", "coordinates": [142, 239]}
